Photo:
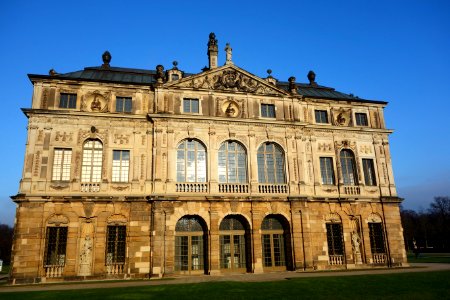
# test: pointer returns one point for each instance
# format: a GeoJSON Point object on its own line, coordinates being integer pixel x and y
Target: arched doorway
{"type": "Point", "coordinates": [235, 244]}
{"type": "Point", "coordinates": [191, 246]}
{"type": "Point", "coordinates": [276, 243]}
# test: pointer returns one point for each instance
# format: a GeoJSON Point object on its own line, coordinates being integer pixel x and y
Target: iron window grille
{"type": "Point", "coordinates": [335, 239]}
{"type": "Point", "coordinates": [376, 238]}
{"type": "Point", "coordinates": [55, 250]}
{"type": "Point", "coordinates": [116, 244]}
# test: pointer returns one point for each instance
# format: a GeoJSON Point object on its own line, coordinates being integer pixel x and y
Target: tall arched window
{"type": "Point", "coordinates": [275, 235]}
{"type": "Point", "coordinates": [271, 164]}
{"type": "Point", "coordinates": [91, 169]}
{"type": "Point", "coordinates": [235, 244]}
{"type": "Point", "coordinates": [232, 166]}
{"type": "Point", "coordinates": [348, 166]}
{"type": "Point", "coordinates": [191, 162]}
{"type": "Point", "coordinates": [191, 245]}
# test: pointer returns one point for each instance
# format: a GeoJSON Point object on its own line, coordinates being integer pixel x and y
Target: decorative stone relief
{"type": "Point", "coordinates": [365, 149]}
{"type": "Point", "coordinates": [95, 102]}
{"type": "Point", "coordinates": [374, 218]}
{"type": "Point", "coordinates": [40, 137]}
{"type": "Point", "coordinates": [58, 219]}
{"type": "Point", "coordinates": [342, 117]}
{"type": "Point", "coordinates": [59, 186]}
{"type": "Point", "coordinates": [44, 101]}
{"type": "Point", "coordinates": [345, 144]}
{"type": "Point", "coordinates": [120, 187]}
{"type": "Point", "coordinates": [37, 163]}
{"type": "Point", "coordinates": [121, 139]}
{"type": "Point", "coordinates": [325, 147]}
{"type": "Point", "coordinates": [142, 166]}
{"type": "Point", "coordinates": [230, 80]}
{"type": "Point", "coordinates": [64, 137]}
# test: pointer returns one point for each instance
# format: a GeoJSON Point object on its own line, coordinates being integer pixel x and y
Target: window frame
{"type": "Point", "coordinates": [56, 252]}
{"type": "Point", "coordinates": [335, 244]}
{"type": "Point", "coordinates": [318, 116]}
{"type": "Point", "coordinates": [70, 102]}
{"type": "Point", "coordinates": [122, 169]}
{"type": "Point", "coordinates": [266, 112]}
{"type": "Point", "coordinates": [377, 239]}
{"type": "Point", "coordinates": [349, 177]}
{"type": "Point", "coordinates": [238, 171]}
{"type": "Point", "coordinates": [190, 109]}
{"type": "Point", "coordinates": [117, 245]}
{"type": "Point", "coordinates": [95, 163]}
{"type": "Point", "coordinates": [361, 119]}
{"type": "Point", "coordinates": [61, 165]}
{"type": "Point", "coordinates": [121, 104]}
{"type": "Point", "coordinates": [368, 165]}
{"type": "Point", "coordinates": [263, 168]}
{"type": "Point", "coordinates": [327, 171]}
{"type": "Point", "coordinates": [198, 149]}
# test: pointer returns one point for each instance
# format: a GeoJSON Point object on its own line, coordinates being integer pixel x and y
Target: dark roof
{"type": "Point", "coordinates": [147, 77]}
{"type": "Point", "coordinates": [111, 74]}
{"type": "Point", "coordinates": [323, 92]}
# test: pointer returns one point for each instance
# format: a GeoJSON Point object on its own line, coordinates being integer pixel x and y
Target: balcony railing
{"type": "Point", "coordinates": [273, 188]}
{"type": "Point", "coordinates": [336, 259]}
{"type": "Point", "coordinates": [114, 269]}
{"type": "Point", "coordinates": [233, 188]}
{"type": "Point", "coordinates": [90, 187]}
{"type": "Point", "coordinates": [191, 187]}
{"type": "Point", "coordinates": [379, 258]}
{"type": "Point", "coordinates": [352, 190]}
{"type": "Point", "coordinates": [53, 271]}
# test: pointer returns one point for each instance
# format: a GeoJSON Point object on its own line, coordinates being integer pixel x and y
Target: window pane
{"type": "Point", "coordinates": [369, 172]}
{"type": "Point", "coordinates": [361, 119]}
{"type": "Point", "coordinates": [348, 166]}
{"type": "Point", "coordinates": [92, 161]}
{"type": "Point", "coordinates": [326, 170]}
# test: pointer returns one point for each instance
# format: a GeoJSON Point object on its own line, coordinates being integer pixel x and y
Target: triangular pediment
{"type": "Point", "coordinates": [228, 78]}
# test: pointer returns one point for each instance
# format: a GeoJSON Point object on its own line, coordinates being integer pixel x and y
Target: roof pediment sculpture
{"type": "Point", "coordinates": [229, 78]}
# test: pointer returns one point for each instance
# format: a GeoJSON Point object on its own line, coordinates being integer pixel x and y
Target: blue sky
{"type": "Point", "coordinates": [397, 51]}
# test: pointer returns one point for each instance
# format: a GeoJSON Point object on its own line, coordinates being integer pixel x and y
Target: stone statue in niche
{"type": "Point", "coordinates": [86, 248]}
{"type": "Point", "coordinates": [356, 244]}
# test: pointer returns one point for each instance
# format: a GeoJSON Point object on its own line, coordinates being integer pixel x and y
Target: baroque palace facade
{"type": "Point", "coordinates": [134, 173]}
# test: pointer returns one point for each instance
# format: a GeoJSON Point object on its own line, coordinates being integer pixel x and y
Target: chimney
{"type": "Point", "coordinates": [212, 51]}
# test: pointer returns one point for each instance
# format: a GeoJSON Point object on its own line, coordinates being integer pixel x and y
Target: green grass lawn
{"type": "Point", "coordinates": [429, 258]}
{"type": "Point", "coordinates": [426, 285]}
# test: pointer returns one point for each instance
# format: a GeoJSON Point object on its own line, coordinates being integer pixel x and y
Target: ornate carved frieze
{"type": "Point", "coordinates": [230, 79]}
{"type": "Point", "coordinates": [64, 136]}
{"type": "Point", "coordinates": [95, 102]}
{"type": "Point", "coordinates": [365, 149]}
{"type": "Point", "coordinates": [345, 144]}
{"type": "Point", "coordinates": [120, 187]}
{"type": "Point", "coordinates": [325, 147]}
{"type": "Point", "coordinates": [341, 117]}
{"type": "Point", "coordinates": [59, 186]}
{"type": "Point", "coordinates": [58, 219]}
{"type": "Point", "coordinates": [121, 139]}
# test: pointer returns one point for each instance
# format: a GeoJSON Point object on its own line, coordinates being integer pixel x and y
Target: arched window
{"type": "Point", "coordinates": [191, 245]}
{"type": "Point", "coordinates": [232, 166]}
{"type": "Point", "coordinates": [275, 242]}
{"type": "Point", "coordinates": [348, 166]}
{"type": "Point", "coordinates": [235, 244]}
{"type": "Point", "coordinates": [270, 163]}
{"type": "Point", "coordinates": [91, 169]}
{"type": "Point", "coordinates": [191, 162]}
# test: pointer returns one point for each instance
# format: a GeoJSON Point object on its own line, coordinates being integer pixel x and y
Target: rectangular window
{"type": "Point", "coordinates": [334, 239]}
{"type": "Point", "coordinates": [115, 244]}
{"type": "Point", "coordinates": [267, 110]}
{"type": "Point", "coordinates": [376, 238]}
{"type": "Point", "coordinates": [55, 250]}
{"type": "Point", "coordinates": [190, 105]}
{"type": "Point", "coordinates": [61, 164]}
{"type": "Point", "coordinates": [121, 165]}
{"type": "Point", "coordinates": [123, 104]}
{"type": "Point", "coordinates": [369, 171]}
{"type": "Point", "coordinates": [361, 119]}
{"type": "Point", "coordinates": [321, 116]}
{"type": "Point", "coordinates": [68, 100]}
{"type": "Point", "coordinates": [326, 170]}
